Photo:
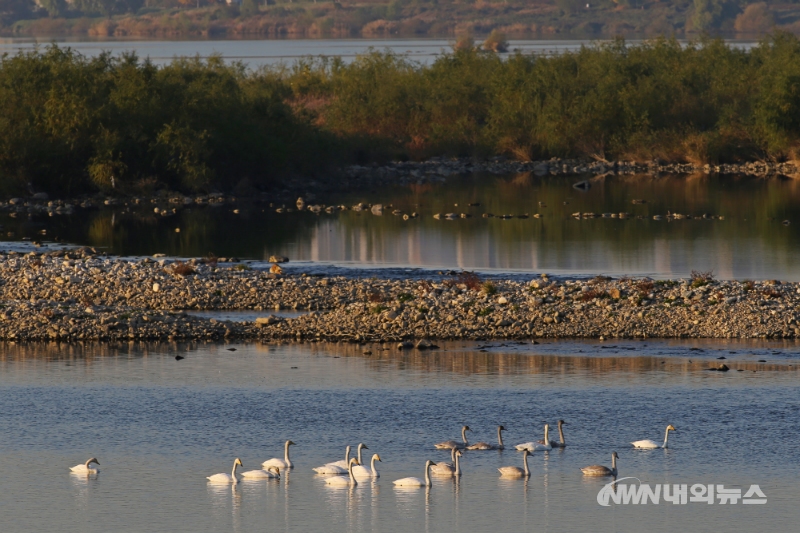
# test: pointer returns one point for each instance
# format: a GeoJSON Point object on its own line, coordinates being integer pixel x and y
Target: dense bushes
{"type": "Point", "coordinates": [70, 123]}
{"type": "Point", "coordinates": [701, 102]}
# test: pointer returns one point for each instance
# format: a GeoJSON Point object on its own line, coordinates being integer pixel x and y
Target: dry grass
{"type": "Point", "coordinates": [592, 294]}
{"type": "Point", "coordinates": [183, 269]}
{"type": "Point", "coordinates": [210, 260]}
{"type": "Point", "coordinates": [644, 287]}
{"type": "Point", "coordinates": [375, 297]}
{"type": "Point", "coordinates": [470, 280]}
{"type": "Point", "coordinates": [700, 278]}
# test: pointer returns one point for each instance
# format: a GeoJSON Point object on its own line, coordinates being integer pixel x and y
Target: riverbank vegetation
{"type": "Point", "coordinates": [70, 123]}
{"type": "Point", "coordinates": [385, 18]}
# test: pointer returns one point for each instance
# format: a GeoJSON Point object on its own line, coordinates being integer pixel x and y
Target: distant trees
{"type": "Point", "coordinates": [70, 123]}
{"type": "Point", "coordinates": [54, 8]}
{"type": "Point", "coordinates": [13, 10]}
{"type": "Point", "coordinates": [756, 19]}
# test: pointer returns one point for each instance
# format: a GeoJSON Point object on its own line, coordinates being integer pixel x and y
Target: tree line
{"type": "Point", "coordinates": [71, 123]}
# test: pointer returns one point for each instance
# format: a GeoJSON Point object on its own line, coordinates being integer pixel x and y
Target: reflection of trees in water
{"type": "Point", "coordinates": [498, 363]}
{"type": "Point", "coordinates": [203, 230]}
{"type": "Point", "coordinates": [753, 209]}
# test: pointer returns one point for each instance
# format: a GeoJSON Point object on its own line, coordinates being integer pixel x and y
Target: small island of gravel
{"type": "Point", "coordinates": [77, 295]}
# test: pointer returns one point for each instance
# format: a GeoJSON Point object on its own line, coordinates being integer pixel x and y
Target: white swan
{"type": "Point", "coordinates": [600, 470]}
{"type": "Point", "coordinates": [273, 472]}
{"type": "Point", "coordinates": [538, 445]}
{"type": "Point", "coordinates": [344, 464]}
{"type": "Point", "coordinates": [334, 467]}
{"type": "Point", "coordinates": [515, 471]}
{"type": "Point", "coordinates": [448, 469]}
{"type": "Point", "coordinates": [487, 446]}
{"type": "Point", "coordinates": [361, 472]}
{"type": "Point", "coordinates": [361, 446]}
{"type": "Point", "coordinates": [562, 443]}
{"type": "Point", "coordinates": [280, 463]}
{"type": "Point", "coordinates": [415, 481]}
{"type": "Point", "coordinates": [227, 478]}
{"type": "Point", "coordinates": [85, 468]}
{"type": "Point", "coordinates": [647, 443]}
{"type": "Point", "coordinates": [450, 444]}
{"type": "Point", "coordinates": [340, 481]}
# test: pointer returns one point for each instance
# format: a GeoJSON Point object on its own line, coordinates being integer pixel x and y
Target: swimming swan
{"type": "Point", "coordinates": [446, 469]}
{"type": "Point", "coordinates": [415, 481]}
{"type": "Point", "coordinates": [361, 472]}
{"type": "Point", "coordinates": [450, 444]}
{"type": "Point", "coordinates": [339, 481]}
{"type": "Point", "coordinates": [600, 470]}
{"type": "Point", "coordinates": [280, 463]}
{"type": "Point", "coordinates": [334, 467]}
{"type": "Point", "coordinates": [227, 478]}
{"type": "Point", "coordinates": [361, 446]}
{"type": "Point", "coordinates": [647, 443]}
{"type": "Point", "coordinates": [273, 472]}
{"type": "Point", "coordinates": [344, 464]}
{"type": "Point", "coordinates": [539, 445]}
{"type": "Point", "coordinates": [487, 446]}
{"type": "Point", "coordinates": [562, 443]}
{"type": "Point", "coordinates": [515, 471]}
{"type": "Point", "coordinates": [85, 468]}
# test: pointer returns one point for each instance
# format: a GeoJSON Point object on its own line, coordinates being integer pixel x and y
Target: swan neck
{"type": "Point", "coordinates": [464, 435]}
{"type": "Point", "coordinates": [453, 454]}
{"type": "Point", "coordinates": [286, 455]}
{"type": "Point", "coordinates": [666, 437]}
{"type": "Point", "coordinates": [347, 455]}
{"type": "Point", "coordinates": [546, 435]}
{"type": "Point", "coordinates": [359, 454]}
{"type": "Point", "coordinates": [233, 471]}
{"type": "Point", "coordinates": [427, 475]}
{"type": "Point", "coordinates": [352, 477]}
{"type": "Point", "coordinates": [561, 434]}
{"type": "Point", "coordinates": [614, 464]}
{"type": "Point", "coordinates": [500, 437]}
{"type": "Point", "coordinates": [458, 466]}
{"type": "Point", "coordinates": [374, 472]}
{"type": "Point", "coordinates": [525, 463]}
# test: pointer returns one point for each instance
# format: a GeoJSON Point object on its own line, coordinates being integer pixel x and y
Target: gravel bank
{"type": "Point", "coordinates": [76, 295]}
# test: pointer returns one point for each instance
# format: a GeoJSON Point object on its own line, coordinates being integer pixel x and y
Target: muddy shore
{"type": "Point", "coordinates": [78, 295]}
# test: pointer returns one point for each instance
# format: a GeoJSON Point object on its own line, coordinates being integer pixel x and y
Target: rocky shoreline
{"type": "Point", "coordinates": [364, 178]}
{"type": "Point", "coordinates": [76, 295]}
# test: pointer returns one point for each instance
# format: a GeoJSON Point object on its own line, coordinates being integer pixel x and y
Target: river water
{"type": "Point", "coordinates": [159, 426]}
{"type": "Point", "coordinates": [751, 242]}
{"type": "Point", "coordinates": [258, 53]}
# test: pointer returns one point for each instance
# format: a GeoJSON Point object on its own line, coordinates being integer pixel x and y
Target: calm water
{"type": "Point", "coordinates": [751, 242]}
{"type": "Point", "coordinates": [257, 53]}
{"type": "Point", "coordinates": [159, 426]}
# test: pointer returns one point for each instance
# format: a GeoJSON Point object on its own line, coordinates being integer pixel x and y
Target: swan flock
{"type": "Point", "coordinates": [351, 470]}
